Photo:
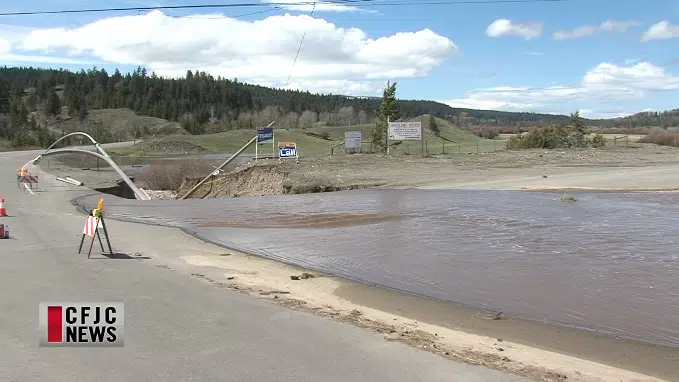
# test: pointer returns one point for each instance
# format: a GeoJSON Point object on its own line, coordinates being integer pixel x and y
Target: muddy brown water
{"type": "Point", "coordinates": [608, 262]}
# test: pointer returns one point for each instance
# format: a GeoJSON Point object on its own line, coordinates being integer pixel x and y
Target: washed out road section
{"type": "Point", "coordinates": [178, 327]}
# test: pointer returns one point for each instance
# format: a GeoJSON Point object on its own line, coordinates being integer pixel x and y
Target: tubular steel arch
{"type": "Point", "coordinates": [101, 154]}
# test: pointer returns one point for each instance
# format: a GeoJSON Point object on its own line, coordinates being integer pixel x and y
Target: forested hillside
{"type": "Point", "coordinates": [203, 103]}
{"type": "Point", "coordinates": [35, 102]}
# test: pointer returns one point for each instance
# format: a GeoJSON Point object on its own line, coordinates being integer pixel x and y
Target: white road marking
{"type": "Point", "coordinates": [29, 189]}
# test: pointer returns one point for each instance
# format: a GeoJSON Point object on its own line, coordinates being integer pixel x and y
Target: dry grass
{"type": "Point", "coordinates": [622, 131]}
{"type": "Point", "coordinates": [171, 175]}
{"type": "Point", "coordinates": [665, 138]}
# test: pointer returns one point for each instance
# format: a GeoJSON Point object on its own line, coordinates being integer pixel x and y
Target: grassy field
{"type": "Point", "coordinates": [321, 140]}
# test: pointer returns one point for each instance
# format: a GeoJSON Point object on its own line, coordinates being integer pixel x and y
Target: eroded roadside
{"type": "Point", "coordinates": [326, 296]}
{"type": "Point", "coordinates": [640, 167]}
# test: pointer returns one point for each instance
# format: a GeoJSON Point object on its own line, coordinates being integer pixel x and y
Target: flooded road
{"type": "Point", "coordinates": [608, 262]}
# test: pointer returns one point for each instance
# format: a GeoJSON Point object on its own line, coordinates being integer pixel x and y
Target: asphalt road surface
{"type": "Point", "coordinates": [178, 328]}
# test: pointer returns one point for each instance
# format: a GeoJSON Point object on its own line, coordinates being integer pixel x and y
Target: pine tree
{"type": "Point", "coordinates": [577, 123]}
{"type": "Point", "coordinates": [53, 103]}
{"type": "Point", "coordinates": [82, 111]}
{"type": "Point", "coordinates": [4, 94]}
{"type": "Point", "coordinates": [433, 126]}
{"type": "Point", "coordinates": [389, 110]}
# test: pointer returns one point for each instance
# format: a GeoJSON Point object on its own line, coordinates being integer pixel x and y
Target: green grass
{"type": "Point", "coordinates": [311, 142]}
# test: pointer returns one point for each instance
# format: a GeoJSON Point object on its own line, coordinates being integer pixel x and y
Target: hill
{"type": "Point", "coordinates": [36, 105]}
{"type": "Point", "coordinates": [202, 103]}
{"type": "Point", "coordinates": [315, 141]}
{"type": "Point", "coordinates": [665, 119]}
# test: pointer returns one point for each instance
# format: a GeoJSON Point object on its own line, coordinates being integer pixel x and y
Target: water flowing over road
{"type": "Point", "coordinates": [607, 262]}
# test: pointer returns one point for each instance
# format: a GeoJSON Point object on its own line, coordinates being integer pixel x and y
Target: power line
{"type": "Point", "coordinates": [355, 3]}
{"type": "Point", "coordinates": [299, 48]}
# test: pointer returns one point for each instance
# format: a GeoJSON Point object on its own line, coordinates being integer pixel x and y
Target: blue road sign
{"type": "Point", "coordinates": [264, 134]}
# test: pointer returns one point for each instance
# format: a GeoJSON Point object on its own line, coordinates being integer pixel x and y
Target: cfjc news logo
{"type": "Point", "coordinates": [82, 324]}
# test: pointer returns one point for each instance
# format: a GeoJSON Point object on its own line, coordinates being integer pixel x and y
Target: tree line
{"type": "Point", "coordinates": [206, 104]}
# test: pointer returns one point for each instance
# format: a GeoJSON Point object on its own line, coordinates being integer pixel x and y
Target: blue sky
{"type": "Point", "coordinates": [605, 57]}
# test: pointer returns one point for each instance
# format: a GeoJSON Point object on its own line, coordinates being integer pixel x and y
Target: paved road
{"type": "Point", "coordinates": [178, 327]}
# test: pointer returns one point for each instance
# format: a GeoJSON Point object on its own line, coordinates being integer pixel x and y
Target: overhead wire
{"type": "Point", "coordinates": [355, 3]}
{"type": "Point", "coordinates": [299, 48]}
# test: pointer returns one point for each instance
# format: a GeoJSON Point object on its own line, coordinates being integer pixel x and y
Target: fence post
{"type": "Point", "coordinates": [443, 147]}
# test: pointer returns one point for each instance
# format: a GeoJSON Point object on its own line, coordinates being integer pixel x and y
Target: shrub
{"type": "Point", "coordinates": [486, 131]}
{"type": "Point", "coordinates": [171, 175]}
{"type": "Point", "coordinates": [553, 137]}
{"type": "Point", "coordinates": [598, 141]}
{"type": "Point", "coordinates": [664, 138]}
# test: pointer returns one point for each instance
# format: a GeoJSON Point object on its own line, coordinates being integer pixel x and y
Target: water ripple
{"type": "Point", "coordinates": [608, 262]}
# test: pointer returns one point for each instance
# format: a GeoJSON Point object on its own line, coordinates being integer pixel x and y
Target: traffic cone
{"type": "Point", "coordinates": [3, 211]}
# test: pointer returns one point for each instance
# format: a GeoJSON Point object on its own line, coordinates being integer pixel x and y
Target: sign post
{"type": "Point", "coordinates": [264, 135]}
{"type": "Point", "coordinates": [406, 131]}
{"type": "Point", "coordinates": [352, 140]}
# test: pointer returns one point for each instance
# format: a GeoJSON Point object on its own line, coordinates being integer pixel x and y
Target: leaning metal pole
{"type": "Point", "coordinates": [101, 154]}
{"type": "Point", "coordinates": [137, 192]}
{"type": "Point", "coordinates": [232, 157]}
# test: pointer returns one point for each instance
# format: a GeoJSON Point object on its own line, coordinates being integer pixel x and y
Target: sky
{"type": "Point", "coordinates": [606, 58]}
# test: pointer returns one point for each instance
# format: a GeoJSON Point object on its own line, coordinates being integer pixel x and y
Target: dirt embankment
{"type": "Point", "coordinates": [608, 168]}
{"type": "Point", "coordinates": [252, 181]}
{"type": "Point", "coordinates": [266, 178]}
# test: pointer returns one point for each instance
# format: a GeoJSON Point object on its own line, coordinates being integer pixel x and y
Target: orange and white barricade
{"type": "Point", "coordinates": [91, 229]}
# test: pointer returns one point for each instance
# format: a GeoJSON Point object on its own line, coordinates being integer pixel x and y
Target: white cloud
{"type": "Point", "coordinates": [260, 51]}
{"type": "Point", "coordinates": [345, 87]}
{"type": "Point", "coordinates": [18, 59]}
{"type": "Point", "coordinates": [661, 31]}
{"type": "Point", "coordinates": [320, 6]}
{"type": "Point", "coordinates": [535, 53]}
{"type": "Point", "coordinates": [5, 46]}
{"type": "Point", "coordinates": [504, 27]}
{"type": "Point", "coordinates": [609, 26]}
{"type": "Point", "coordinates": [606, 82]}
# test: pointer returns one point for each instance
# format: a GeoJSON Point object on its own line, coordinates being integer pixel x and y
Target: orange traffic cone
{"type": "Point", "coordinates": [3, 211]}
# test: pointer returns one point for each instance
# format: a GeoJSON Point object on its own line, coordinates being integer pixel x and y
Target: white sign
{"type": "Point", "coordinates": [405, 131]}
{"type": "Point", "coordinates": [352, 139]}
{"type": "Point", "coordinates": [287, 150]}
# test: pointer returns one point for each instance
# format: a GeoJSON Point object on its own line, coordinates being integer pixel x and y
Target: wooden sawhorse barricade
{"type": "Point", "coordinates": [92, 229]}
{"type": "Point", "coordinates": [29, 180]}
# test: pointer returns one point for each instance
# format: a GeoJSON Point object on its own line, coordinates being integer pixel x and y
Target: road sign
{"type": "Point", "coordinates": [352, 139]}
{"type": "Point", "coordinates": [264, 135]}
{"type": "Point", "coordinates": [287, 150]}
{"type": "Point", "coordinates": [405, 131]}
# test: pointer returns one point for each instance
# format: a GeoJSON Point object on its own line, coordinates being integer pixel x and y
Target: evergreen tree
{"type": "Point", "coordinates": [389, 110]}
{"type": "Point", "coordinates": [82, 111]}
{"type": "Point", "coordinates": [576, 122]}
{"type": "Point", "coordinates": [433, 126]}
{"type": "Point", "coordinates": [4, 94]}
{"type": "Point", "coordinates": [53, 103]}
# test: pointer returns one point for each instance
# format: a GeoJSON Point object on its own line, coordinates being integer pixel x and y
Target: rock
{"type": "Point", "coordinates": [294, 277]}
{"type": "Point", "coordinates": [230, 278]}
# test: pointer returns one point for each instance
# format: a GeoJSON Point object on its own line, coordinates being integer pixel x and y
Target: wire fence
{"type": "Point", "coordinates": [428, 147]}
